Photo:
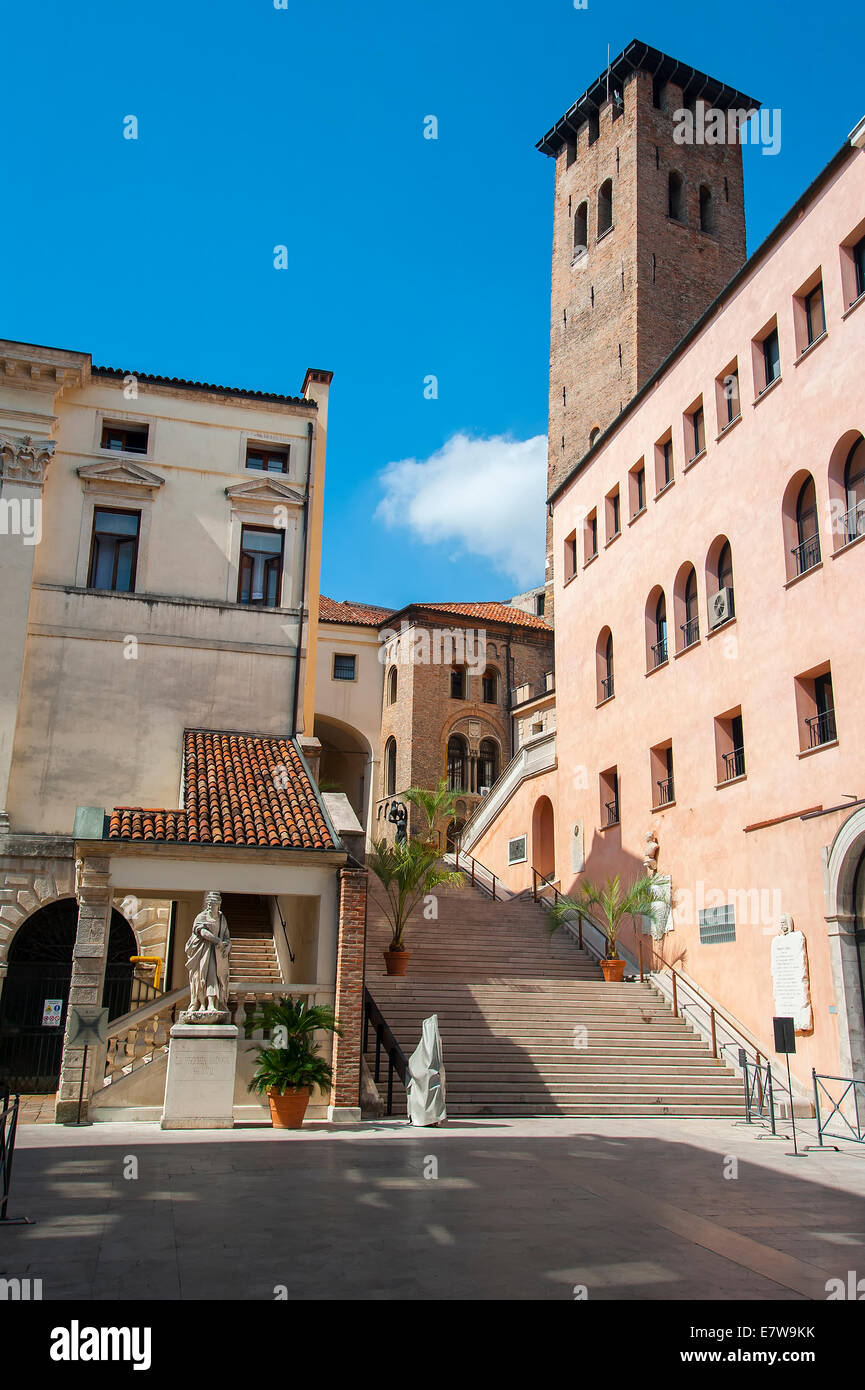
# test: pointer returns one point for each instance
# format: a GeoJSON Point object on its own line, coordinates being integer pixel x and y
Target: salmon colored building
{"type": "Point", "coordinates": [709, 573]}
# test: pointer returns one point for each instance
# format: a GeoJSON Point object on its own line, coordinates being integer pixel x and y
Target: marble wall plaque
{"type": "Point", "coordinates": [790, 983]}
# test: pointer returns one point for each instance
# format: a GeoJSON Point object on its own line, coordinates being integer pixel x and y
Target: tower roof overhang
{"type": "Point", "coordinates": [640, 57]}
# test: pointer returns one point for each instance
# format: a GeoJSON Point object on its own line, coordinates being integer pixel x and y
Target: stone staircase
{"type": "Point", "coordinates": [253, 958]}
{"type": "Point", "coordinates": [509, 999]}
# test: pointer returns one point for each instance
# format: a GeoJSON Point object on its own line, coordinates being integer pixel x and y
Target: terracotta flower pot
{"type": "Point", "coordinates": [396, 960]}
{"type": "Point", "coordinates": [287, 1111]}
{"type": "Point", "coordinates": [613, 969]}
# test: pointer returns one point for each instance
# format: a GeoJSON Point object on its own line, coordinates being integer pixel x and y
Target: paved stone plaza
{"type": "Point", "coordinates": [631, 1209]}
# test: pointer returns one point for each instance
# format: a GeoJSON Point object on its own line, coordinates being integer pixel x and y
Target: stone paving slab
{"type": "Point", "coordinates": [519, 1209]}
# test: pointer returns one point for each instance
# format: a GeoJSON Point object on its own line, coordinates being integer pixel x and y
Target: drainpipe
{"type": "Point", "coordinates": [311, 435]}
{"type": "Point", "coordinates": [511, 677]}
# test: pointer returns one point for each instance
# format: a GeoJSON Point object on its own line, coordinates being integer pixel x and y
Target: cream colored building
{"type": "Point", "coordinates": [161, 544]}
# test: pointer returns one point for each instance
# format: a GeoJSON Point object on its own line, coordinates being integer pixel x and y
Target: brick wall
{"type": "Point", "coordinates": [349, 987]}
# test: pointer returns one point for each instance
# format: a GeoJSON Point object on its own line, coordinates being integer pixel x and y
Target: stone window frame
{"type": "Point", "coordinates": [254, 503]}
{"type": "Point", "coordinates": [116, 494]}
{"type": "Point", "coordinates": [124, 419]}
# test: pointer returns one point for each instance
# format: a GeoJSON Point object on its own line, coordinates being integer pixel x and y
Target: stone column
{"type": "Point", "coordinates": [844, 964]}
{"type": "Point", "coordinates": [89, 955]}
{"type": "Point", "coordinates": [23, 462]}
{"type": "Point", "coordinates": [345, 1096]}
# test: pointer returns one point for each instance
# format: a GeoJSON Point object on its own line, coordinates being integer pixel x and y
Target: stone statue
{"type": "Point", "coordinates": [650, 858]}
{"type": "Point", "coordinates": [207, 955]}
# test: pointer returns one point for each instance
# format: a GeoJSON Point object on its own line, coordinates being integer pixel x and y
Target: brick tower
{"type": "Point", "coordinates": [662, 225]}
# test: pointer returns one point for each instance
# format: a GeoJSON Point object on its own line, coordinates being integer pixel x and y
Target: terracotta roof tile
{"type": "Point", "coordinates": [492, 612]}
{"type": "Point", "coordinates": [239, 789]}
{"type": "Point", "coordinates": [364, 614]}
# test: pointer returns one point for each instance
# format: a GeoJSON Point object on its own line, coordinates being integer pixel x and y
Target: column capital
{"type": "Point", "coordinates": [24, 459]}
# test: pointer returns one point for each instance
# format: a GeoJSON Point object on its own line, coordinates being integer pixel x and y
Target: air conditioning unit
{"type": "Point", "coordinates": [721, 606]}
{"type": "Point", "coordinates": [485, 791]}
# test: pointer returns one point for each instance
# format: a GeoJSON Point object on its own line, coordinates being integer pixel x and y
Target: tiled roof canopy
{"type": "Point", "coordinates": [491, 612]}
{"type": "Point", "coordinates": [239, 789]}
{"type": "Point", "coordinates": [363, 614]}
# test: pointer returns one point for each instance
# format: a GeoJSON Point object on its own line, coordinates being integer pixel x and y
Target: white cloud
{"type": "Point", "coordinates": [486, 495]}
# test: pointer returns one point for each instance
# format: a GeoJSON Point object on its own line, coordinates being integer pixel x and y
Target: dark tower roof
{"type": "Point", "coordinates": [639, 57]}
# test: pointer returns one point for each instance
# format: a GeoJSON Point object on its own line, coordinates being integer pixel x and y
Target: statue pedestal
{"type": "Point", "coordinates": [199, 1087]}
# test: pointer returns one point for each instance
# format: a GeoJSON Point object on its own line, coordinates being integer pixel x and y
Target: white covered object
{"type": "Point", "coordinates": [425, 1086]}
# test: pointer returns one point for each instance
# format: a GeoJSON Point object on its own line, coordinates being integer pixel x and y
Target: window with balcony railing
{"type": "Point", "coordinates": [821, 728]}
{"type": "Point", "coordinates": [690, 632]}
{"type": "Point", "coordinates": [665, 791]}
{"type": "Point", "coordinates": [659, 652]}
{"type": "Point", "coordinates": [734, 764]}
{"type": "Point", "coordinates": [612, 810]}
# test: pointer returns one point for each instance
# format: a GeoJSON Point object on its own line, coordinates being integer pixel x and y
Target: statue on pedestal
{"type": "Point", "coordinates": [650, 857]}
{"type": "Point", "coordinates": [207, 958]}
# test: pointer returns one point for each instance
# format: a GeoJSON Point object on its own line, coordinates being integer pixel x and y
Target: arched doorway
{"type": "Point", "coordinates": [40, 969]}
{"type": "Point", "coordinates": [345, 763]}
{"type": "Point", "coordinates": [544, 838]}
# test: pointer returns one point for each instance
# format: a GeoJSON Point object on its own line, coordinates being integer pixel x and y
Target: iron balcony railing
{"type": "Point", "coordinates": [659, 652]}
{"type": "Point", "coordinates": [665, 791]}
{"type": "Point", "coordinates": [612, 809]}
{"type": "Point", "coordinates": [821, 728]}
{"type": "Point", "coordinates": [852, 524]}
{"type": "Point", "coordinates": [690, 632]}
{"type": "Point", "coordinates": [607, 687]}
{"type": "Point", "coordinates": [807, 554]}
{"type": "Point", "coordinates": [734, 764]}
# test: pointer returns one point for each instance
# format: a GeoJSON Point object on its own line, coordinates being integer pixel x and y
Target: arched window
{"type": "Point", "coordinates": [854, 491]}
{"type": "Point", "coordinates": [490, 686]}
{"type": "Point", "coordinates": [725, 567]}
{"type": "Point", "coordinates": [660, 645]}
{"type": "Point", "coordinates": [707, 209]}
{"type": "Point", "coordinates": [456, 764]}
{"type": "Point", "coordinates": [605, 207]}
{"type": "Point", "coordinates": [604, 656]}
{"type": "Point", "coordinates": [488, 763]}
{"type": "Point", "coordinates": [390, 767]}
{"type": "Point", "coordinates": [687, 622]}
{"type": "Point", "coordinates": [807, 549]}
{"type": "Point", "coordinates": [691, 605]}
{"type": "Point", "coordinates": [719, 582]}
{"type": "Point", "coordinates": [593, 434]}
{"type": "Point", "coordinates": [675, 197]}
{"type": "Point", "coordinates": [581, 229]}
{"type": "Point", "coordinates": [391, 686]}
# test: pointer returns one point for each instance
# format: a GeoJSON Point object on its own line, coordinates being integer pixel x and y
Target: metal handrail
{"type": "Point", "coordinates": [857, 1133]}
{"type": "Point", "coordinates": [714, 1012]}
{"type": "Point", "coordinates": [8, 1128]}
{"type": "Point", "coordinates": [608, 686]}
{"type": "Point", "coordinates": [690, 632]}
{"type": "Point", "coordinates": [852, 524]}
{"type": "Point", "coordinates": [665, 791]}
{"type": "Point", "coordinates": [538, 877]}
{"type": "Point", "coordinates": [612, 810]}
{"type": "Point", "coordinates": [476, 882]}
{"type": "Point", "coordinates": [659, 650]}
{"type": "Point", "coordinates": [734, 764]}
{"type": "Point", "coordinates": [284, 928]}
{"type": "Point", "coordinates": [396, 1058]}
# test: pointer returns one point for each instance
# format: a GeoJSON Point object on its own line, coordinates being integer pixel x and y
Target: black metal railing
{"type": "Point", "coordinates": [821, 728]}
{"type": "Point", "coordinates": [851, 1117]}
{"type": "Point", "coordinates": [612, 810]}
{"type": "Point", "coordinates": [475, 872]}
{"type": "Point", "coordinates": [8, 1128]}
{"type": "Point", "coordinates": [806, 554]}
{"type": "Point", "coordinates": [852, 523]}
{"type": "Point", "coordinates": [284, 928]}
{"type": "Point", "coordinates": [397, 1062]}
{"type": "Point", "coordinates": [734, 764]}
{"type": "Point", "coordinates": [607, 687]}
{"type": "Point", "coordinates": [665, 791]}
{"type": "Point", "coordinates": [690, 632]}
{"type": "Point", "coordinates": [659, 652]}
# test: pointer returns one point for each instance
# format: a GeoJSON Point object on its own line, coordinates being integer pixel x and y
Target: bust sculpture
{"type": "Point", "coordinates": [207, 960]}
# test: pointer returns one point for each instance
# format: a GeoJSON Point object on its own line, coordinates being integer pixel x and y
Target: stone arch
{"type": "Point", "coordinates": [346, 762]}
{"type": "Point", "coordinates": [27, 890]}
{"type": "Point", "coordinates": [843, 861]}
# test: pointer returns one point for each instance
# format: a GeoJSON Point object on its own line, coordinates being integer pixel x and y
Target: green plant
{"type": "Point", "coordinates": [434, 804]}
{"type": "Point", "coordinates": [407, 873]}
{"type": "Point", "coordinates": [613, 903]}
{"type": "Point", "coordinates": [290, 1059]}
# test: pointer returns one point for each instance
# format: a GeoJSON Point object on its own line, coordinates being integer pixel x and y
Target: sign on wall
{"type": "Point", "coordinates": [52, 1012]}
{"type": "Point", "coordinates": [790, 983]}
{"type": "Point", "coordinates": [578, 852]}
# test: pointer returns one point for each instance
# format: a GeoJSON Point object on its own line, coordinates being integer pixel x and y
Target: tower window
{"type": "Point", "coordinates": [707, 209]}
{"type": "Point", "coordinates": [594, 126]}
{"type": "Point", "coordinates": [675, 197]}
{"type": "Point", "coordinates": [581, 229]}
{"type": "Point", "coordinates": [605, 207]}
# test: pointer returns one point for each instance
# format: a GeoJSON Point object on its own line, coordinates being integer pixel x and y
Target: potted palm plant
{"type": "Point", "coordinates": [407, 873]}
{"type": "Point", "coordinates": [288, 1065]}
{"type": "Point", "coordinates": [435, 805]}
{"type": "Point", "coordinates": [612, 902]}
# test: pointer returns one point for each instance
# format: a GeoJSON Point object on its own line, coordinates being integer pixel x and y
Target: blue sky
{"type": "Point", "coordinates": [408, 257]}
